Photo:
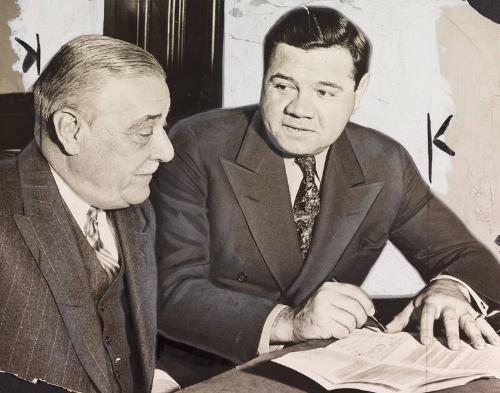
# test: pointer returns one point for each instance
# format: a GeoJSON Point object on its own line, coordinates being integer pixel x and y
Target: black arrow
{"type": "Point", "coordinates": [32, 56]}
{"type": "Point", "coordinates": [437, 142]}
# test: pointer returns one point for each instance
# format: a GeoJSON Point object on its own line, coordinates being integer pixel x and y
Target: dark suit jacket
{"type": "Point", "coordinates": [49, 326]}
{"type": "Point", "coordinates": [226, 240]}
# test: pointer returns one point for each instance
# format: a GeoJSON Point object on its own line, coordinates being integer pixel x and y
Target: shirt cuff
{"type": "Point", "coordinates": [265, 338]}
{"type": "Point", "coordinates": [163, 383]}
{"type": "Point", "coordinates": [481, 305]}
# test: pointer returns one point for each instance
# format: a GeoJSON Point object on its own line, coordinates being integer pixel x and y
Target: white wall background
{"type": "Point", "coordinates": [56, 21]}
{"type": "Point", "coordinates": [410, 40]}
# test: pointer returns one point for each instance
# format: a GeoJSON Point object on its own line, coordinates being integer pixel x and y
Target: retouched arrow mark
{"type": "Point", "coordinates": [31, 55]}
{"type": "Point", "coordinates": [429, 145]}
{"type": "Point", "coordinates": [437, 142]}
{"type": "Point", "coordinates": [440, 144]}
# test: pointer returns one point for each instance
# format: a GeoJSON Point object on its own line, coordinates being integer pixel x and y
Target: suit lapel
{"type": "Point", "coordinates": [259, 182]}
{"type": "Point", "coordinates": [345, 200]}
{"type": "Point", "coordinates": [135, 233]}
{"type": "Point", "coordinates": [46, 228]}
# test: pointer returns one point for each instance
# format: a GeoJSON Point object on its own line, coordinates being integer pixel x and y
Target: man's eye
{"type": "Point", "coordinates": [282, 87]}
{"type": "Point", "coordinates": [145, 134]}
{"type": "Point", "coordinates": [325, 93]}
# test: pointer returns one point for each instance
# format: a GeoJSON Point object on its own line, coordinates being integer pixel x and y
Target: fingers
{"type": "Point", "coordinates": [488, 331]}
{"type": "Point", "coordinates": [474, 328]}
{"type": "Point", "coordinates": [348, 298]}
{"type": "Point", "coordinates": [352, 307]}
{"type": "Point", "coordinates": [344, 318]}
{"type": "Point", "coordinates": [472, 331]}
{"type": "Point", "coordinates": [427, 317]}
{"type": "Point", "coordinates": [330, 312]}
{"type": "Point", "coordinates": [400, 321]}
{"type": "Point", "coordinates": [359, 295]}
{"type": "Point", "coordinates": [451, 328]}
{"type": "Point", "coordinates": [338, 330]}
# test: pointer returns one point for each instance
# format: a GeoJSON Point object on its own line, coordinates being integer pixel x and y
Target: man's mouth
{"type": "Point", "coordinates": [148, 172]}
{"type": "Point", "coordinates": [295, 128]}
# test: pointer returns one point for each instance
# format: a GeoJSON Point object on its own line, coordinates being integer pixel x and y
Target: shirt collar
{"type": "Point", "coordinates": [320, 162]}
{"type": "Point", "coordinates": [76, 204]}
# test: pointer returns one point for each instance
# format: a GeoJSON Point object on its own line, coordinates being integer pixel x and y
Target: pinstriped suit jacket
{"type": "Point", "coordinates": [49, 327]}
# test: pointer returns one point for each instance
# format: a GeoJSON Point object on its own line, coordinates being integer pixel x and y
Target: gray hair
{"type": "Point", "coordinates": [77, 70]}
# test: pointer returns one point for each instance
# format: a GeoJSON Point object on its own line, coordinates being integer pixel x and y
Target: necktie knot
{"type": "Point", "coordinates": [308, 166]}
{"type": "Point", "coordinates": [91, 228]}
{"type": "Point", "coordinates": [92, 213]}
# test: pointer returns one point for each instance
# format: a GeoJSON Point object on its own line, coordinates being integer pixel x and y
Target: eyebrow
{"type": "Point", "coordinates": [331, 84]}
{"type": "Point", "coordinates": [143, 120]}
{"type": "Point", "coordinates": [282, 76]}
{"type": "Point", "coordinates": [323, 83]}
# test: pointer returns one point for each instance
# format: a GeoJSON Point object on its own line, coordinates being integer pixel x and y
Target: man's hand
{"type": "Point", "coordinates": [334, 311]}
{"type": "Point", "coordinates": [449, 301]}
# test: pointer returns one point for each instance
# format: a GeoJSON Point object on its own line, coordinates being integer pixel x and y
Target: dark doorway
{"type": "Point", "coordinates": [186, 36]}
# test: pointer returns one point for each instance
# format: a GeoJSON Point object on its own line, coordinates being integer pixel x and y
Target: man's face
{"type": "Point", "coordinates": [124, 142]}
{"type": "Point", "coordinates": [308, 97]}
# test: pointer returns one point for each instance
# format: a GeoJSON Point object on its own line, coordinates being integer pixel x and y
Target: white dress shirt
{"type": "Point", "coordinates": [79, 208]}
{"type": "Point", "coordinates": [294, 174]}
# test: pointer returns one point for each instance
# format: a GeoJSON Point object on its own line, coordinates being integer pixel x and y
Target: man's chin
{"type": "Point", "coordinates": [126, 199]}
{"type": "Point", "coordinates": [292, 150]}
{"type": "Point", "coordinates": [136, 197]}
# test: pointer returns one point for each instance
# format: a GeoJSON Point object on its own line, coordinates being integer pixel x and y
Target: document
{"type": "Point", "coordinates": [380, 362]}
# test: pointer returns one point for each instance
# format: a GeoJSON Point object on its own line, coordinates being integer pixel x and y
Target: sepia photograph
{"type": "Point", "coordinates": [285, 196]}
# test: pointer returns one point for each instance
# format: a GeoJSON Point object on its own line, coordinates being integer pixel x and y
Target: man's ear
{"type": "Point", "coordinates": [67, 125]}
{"type": "Point", "coordinates": [360, 91]}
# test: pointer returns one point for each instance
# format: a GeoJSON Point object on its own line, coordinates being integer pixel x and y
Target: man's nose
{"type": "Point", "coordinates": [300, 106]}
{"type": "Point", "coordinates": [162, 149]}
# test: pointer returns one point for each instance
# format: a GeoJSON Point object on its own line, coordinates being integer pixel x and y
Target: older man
{"type": "Point", "coordinates": [77, 265]}
{"type": "Point", "coordinates": [271, 216]}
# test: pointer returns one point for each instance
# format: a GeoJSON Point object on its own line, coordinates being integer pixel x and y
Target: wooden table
{"type": "Point", "coordinates": [260, 375]}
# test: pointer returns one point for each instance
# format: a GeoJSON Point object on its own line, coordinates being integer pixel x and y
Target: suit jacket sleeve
{"type": "Point", "coordinates": [435, 241]}
{"type": "Point", "coordinates": [192, 308]}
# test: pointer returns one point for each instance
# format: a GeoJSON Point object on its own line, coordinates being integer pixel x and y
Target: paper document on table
{"type": "Point", "coordinates": [380, 362]}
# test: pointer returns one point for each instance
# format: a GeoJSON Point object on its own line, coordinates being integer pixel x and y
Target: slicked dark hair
{"type": "Point", "coordinates": [319, 27]}
{"type": "Point", "coordinates": [79, 69]}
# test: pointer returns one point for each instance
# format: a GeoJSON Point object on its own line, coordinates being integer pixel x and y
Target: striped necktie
{"type": "Point", "coordinates": [306, 205]}
{"type": "Point", "coordinates": [91, 231]}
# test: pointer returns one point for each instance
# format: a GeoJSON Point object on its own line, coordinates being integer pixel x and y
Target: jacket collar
{"type": "Point", "coordinates": [259, 181]}
{"type": "Point", "coordinates": [45, 225]}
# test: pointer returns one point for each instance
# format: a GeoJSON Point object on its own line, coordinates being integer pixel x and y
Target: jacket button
{"type": "Point", "coordinates": [107, 340]}
{"type": "Point", "coordinates": [101, 307]}
{"type": "Point", "coordinates": [242, 277]}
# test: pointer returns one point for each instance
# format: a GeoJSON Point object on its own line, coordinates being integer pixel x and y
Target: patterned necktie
{"type": "Point", "coordinates": [306, 205]}
{"type": "Point", "coordinates": [91, 230]}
